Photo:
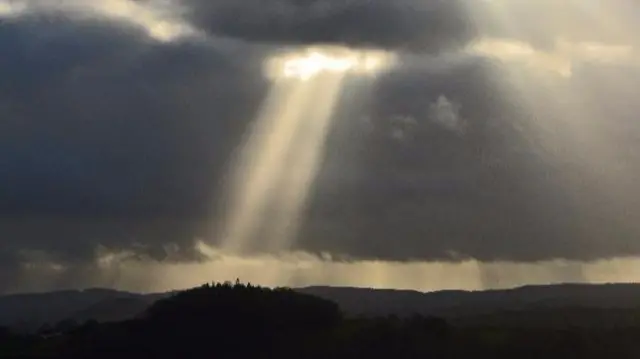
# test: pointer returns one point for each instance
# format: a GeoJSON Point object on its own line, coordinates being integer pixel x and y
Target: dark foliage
{"type": "Point", "coordinates": [243, 321]}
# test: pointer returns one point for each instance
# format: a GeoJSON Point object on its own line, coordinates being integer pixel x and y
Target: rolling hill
{"type": "Point", "coordinates": [613, 303]}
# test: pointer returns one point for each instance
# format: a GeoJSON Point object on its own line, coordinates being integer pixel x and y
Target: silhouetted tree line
{"type": "Point", "coordinates": [225, 320]}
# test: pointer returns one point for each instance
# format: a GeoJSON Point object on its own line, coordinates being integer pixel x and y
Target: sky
{"type": "Point", "coordinates": [499, 145]}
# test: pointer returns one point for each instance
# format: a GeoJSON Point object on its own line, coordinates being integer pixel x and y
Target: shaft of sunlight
{"type": "Point", "coordinates": [282, 154]}
{"type": "Point", "coordinates": [306, 158]}
{"type": "Point", "coordinates": [568, 123]}
{"type": "Point", "coordinates": [263, 159]}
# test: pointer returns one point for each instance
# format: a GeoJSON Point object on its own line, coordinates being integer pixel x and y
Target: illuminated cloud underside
{"type": "Point", "coordinates": [560, 60]}
{"type": "Point", "coordinates": [158, 19]}
{"type": "Point", "coordinates": [124, 271]}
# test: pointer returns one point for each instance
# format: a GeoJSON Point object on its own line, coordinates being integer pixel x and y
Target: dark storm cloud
{"type": "Point", "coordinates": [500, 191]}
{"type": "Point", "coordinates": [416, 25]}
{"type": "Point", "coordinates": [109, 139]}
{"type": "Point", "coordinates": [425, 26]}
{"type": "Point", "coordinates": [9, 270]}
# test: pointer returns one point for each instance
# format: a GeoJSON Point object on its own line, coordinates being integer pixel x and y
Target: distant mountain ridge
{"type": "Point", "coordinates": [31, 311]}
{"type": "Point", "coordinates": [360, 301]}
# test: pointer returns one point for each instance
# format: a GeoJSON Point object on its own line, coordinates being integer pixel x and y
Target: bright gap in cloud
{"type": "Point", "coordinates": [316, 60]}
{"type": "Point", "coordinates": [10, 8]}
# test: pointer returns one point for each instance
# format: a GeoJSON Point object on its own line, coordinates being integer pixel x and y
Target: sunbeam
{"type": "Point", "coordinates": [262, 160]}
{"type": "Point", "coordinates": [282, 154]}
{"type": "Point", "coordinates": [566, 123]}
{"type": "Point", "coordinates": [305, 161]}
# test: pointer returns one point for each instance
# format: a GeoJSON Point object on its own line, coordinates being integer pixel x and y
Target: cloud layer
{"type": "Point", "coordinates": [493, 139]}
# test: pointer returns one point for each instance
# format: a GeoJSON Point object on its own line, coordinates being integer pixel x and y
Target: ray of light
{"type": "Point", "coordinates": [283, 152]}
{"type": "Point", "coordinates": [305, 162]}
{"type": "Point", "coordinates": [614, 19]}
{"type": "Point", "coordinates": [561, 18]}
{"type": "Point", "coordinates": [569, 125]}
{"type": "Point", "coordinates": [604, 18]}
{"type": "Point", "coordinates": [263, 160]}
{"type": "Point", "coordinates": [572, 31]}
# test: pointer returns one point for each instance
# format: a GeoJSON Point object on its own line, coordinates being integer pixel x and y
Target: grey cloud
{"type": "Point", "coordinates": [427, 26]}
{"type": "Point", "coordinates": [112, 140]}
{"type": "Point", "coordinates": [447, 114]}
{"type": "Point", "coordinates": [109, 137]}
{"type": "Point", "coordinates": [500, 192]}
{"type": "Point", "coordinates": [541, 23]}
{"type": "Point", "coordinates": [424, 26]}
